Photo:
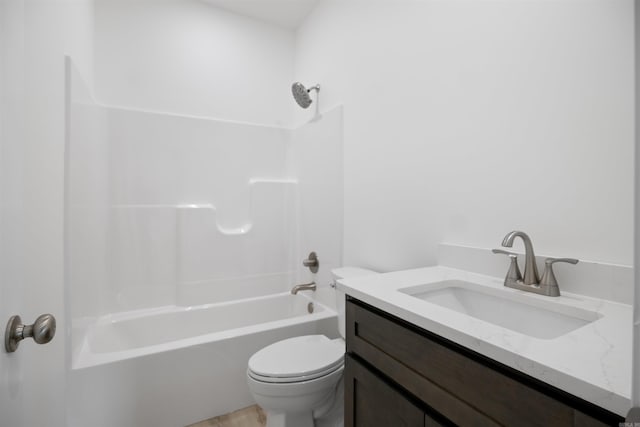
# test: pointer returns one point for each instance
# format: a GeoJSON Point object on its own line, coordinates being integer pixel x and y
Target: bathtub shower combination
{"type": "Point", "coordinates": [175, 366]}
{"type": "Point", "coordinates": [184, 238]}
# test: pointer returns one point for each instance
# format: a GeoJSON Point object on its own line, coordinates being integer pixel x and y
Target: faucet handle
{"type": "Point", "coordinates": [513, 275]}
{"type": "Point", "coordinates": [550, 261]}
{"type": "Point", "coordinates": [503, 252]}
{"type": "Point", "coordinates": [312, 262]}
{"type": "Point", "coordinates": [548, 279]}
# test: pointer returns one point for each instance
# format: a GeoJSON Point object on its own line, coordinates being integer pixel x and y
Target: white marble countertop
{"type": "Point", "coordinates": [592, 362]}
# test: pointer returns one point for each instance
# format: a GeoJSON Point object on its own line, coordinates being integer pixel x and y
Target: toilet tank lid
{"type": "Point", "coordinates": [350, 272]}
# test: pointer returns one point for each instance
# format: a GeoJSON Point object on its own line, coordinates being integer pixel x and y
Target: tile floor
{"type": "Point", "coordinates": [253, 416]}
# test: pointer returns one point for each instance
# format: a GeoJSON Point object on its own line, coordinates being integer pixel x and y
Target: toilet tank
{"type": "Point", "coordinates": [346, 273]}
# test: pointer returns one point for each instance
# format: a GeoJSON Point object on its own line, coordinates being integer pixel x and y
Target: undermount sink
{"type": "Point", "coordinates": [543, 319]}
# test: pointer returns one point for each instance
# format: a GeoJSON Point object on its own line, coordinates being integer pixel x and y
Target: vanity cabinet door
{"type": "Point", "coordinates": [371, 402]}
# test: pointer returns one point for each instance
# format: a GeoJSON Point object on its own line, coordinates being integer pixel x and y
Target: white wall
{"type": "Point", "coordinates": [189, 57]}
{"type": "Point", "coordinates": [466, 119]}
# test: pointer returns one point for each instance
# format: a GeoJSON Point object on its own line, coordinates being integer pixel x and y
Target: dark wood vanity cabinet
{"type": "Point", "coordinates": [398, 375]}
{"type": "Point", "coordinates": [376, 403]}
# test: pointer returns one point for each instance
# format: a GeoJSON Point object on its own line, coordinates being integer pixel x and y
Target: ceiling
{"type": "Point", "coordinates": [285, 13]}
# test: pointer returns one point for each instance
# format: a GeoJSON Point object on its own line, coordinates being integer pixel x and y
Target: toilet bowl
{"type": "Point", "coordinates": [298, 381]}
{"type": "Point", "coordinates": [293, 379]}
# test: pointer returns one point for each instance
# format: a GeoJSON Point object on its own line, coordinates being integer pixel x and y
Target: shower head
{"type": "Point", "coordinates": [301, 94]}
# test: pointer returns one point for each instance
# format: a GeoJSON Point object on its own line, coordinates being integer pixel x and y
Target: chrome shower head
{"type": "Point", "coordinates": [301, 94]}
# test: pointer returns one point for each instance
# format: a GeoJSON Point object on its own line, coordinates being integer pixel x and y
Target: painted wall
{"type": "Point", "coordinates": [189, 57]}
{"type": "Point", "coordinates": [34, 37]}
{"type": "Point", "coordinates": [466, 119]}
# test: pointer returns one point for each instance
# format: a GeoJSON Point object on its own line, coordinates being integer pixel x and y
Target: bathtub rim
{"type": "Point", "coordinates": [84, 358]}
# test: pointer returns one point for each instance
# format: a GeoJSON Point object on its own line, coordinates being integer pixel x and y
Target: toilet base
{"type": "Point", "coordinates": [290, 419]}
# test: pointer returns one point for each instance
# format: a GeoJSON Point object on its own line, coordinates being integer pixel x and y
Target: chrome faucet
{"type": "Point", "coordinates": [532, 282]}
{"type": "Point", "coordinates": [304, 287]}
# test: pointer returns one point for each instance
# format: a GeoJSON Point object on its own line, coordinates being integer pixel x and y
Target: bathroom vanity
{"type": "Point", "coordinates": [400, 375]}
{"type": "Point", "coordinates": [413, 364]}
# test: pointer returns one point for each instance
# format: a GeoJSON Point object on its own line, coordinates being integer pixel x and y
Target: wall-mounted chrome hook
{"type": "Point", "coordinates": [42, 331]}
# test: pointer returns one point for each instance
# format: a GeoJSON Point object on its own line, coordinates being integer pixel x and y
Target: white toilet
{"type": "Point", "coordinates": [298, 381]}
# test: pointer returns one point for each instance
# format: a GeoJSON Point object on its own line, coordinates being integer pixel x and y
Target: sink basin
{"type": "Point", "coordinates": [522, 313]}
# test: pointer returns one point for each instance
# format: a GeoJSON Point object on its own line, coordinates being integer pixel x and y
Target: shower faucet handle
{"type": "Point", "coordinates": [312, 262]}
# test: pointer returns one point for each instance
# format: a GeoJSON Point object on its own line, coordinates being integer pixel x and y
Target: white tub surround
{"type": "Point", "coordinates": [173, 366]}
{"type": "Point", "coordinates": [592, 362]}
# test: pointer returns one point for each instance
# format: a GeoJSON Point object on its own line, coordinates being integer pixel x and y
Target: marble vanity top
{"type": "Point", "coordinates": [592, 362]}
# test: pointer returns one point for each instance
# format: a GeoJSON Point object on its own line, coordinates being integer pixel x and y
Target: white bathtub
{"type": "Point", "coordinates": [173, 366]}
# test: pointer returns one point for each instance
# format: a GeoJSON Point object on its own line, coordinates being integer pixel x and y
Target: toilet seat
{"type": "Point", "coordinates": [303, 378]}
{"type": "Point", "coordinates": [297, 359]}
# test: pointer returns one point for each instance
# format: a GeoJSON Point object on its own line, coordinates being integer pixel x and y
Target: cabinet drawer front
{"type": "Point", "coordinates": [458, 387]}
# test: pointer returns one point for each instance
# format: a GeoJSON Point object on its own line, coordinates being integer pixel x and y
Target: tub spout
{"type": "Point", "coordinates": [304, 287]}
